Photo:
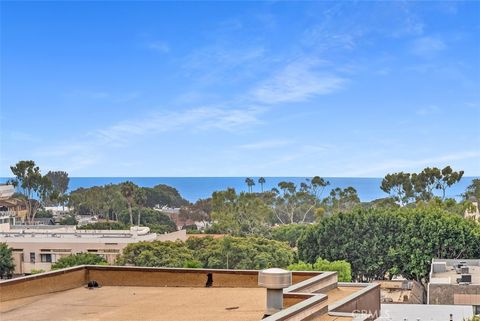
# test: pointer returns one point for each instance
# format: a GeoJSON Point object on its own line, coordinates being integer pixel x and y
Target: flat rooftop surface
{"type": "Point", "coordinates": [129, 303]}
{"type": "Point", "coordinates": [425, 312]}
{"type": "Point", "coordinates": [452, 275]}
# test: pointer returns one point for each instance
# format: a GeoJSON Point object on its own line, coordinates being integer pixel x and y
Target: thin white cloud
{"type": "Point", "coordinates": [215, 58]}
{"type": "Point", "coordinates": [428, 110]}
{"type": "Point", "coordinates": [89, 94]}
{"type": "Point", "coordinates": [85, 151]}
{"type": "Point", "coordinates": [265, 144]}
{"type": "Point", "coordinates": [117, 97]}
{"type": "Point", "coordinates": [298, 81]}
{"type": "Point", "coordinates": [20, 136]}
{"type": "Point", "coordinates": [197, 118]}
{"type": "Point", "coordinates": [159, 46]}
{"type": "Point", "coordinates": [427, 46]}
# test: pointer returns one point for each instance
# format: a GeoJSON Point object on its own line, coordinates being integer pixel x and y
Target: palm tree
{"type": "Point", "coordinates": [128, 192]}
{"type": "Point", "coordinates": [261, 181]}
{"type": "Point", "coordinates": [140, 198]}
{"type": "Point", "coordinates": [250, 182]}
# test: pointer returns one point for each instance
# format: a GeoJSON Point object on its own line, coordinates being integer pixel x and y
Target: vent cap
{"type": "Point", "coordinates": [274, 278]}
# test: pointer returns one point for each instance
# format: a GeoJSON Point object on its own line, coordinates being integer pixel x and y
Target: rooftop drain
{"type": "Point", "coordinates": [274, 280]}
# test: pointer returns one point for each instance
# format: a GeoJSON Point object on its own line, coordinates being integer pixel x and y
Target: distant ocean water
{"type": "Point", "coordinates": [194, 188]}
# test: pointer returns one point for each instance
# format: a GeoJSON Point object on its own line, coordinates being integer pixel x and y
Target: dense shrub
{"type": "Point", "coordinates": [157, 221]}
{"type": "Point", "coordinates": [343, 268]}
{"type": "Point", "coordinates": [381, 243]}
{"type": "Point", "coordinates": [241, 252]}
{"type": "Point", "coordinates": [79, 259]}
{"type": "Point", "coordinates": [6, 261]}
{"type": "Point", "coordinates": [228, 252]}
{"type": "Point", "coordinates": [157, 253]}
{"type": "Point", "coordinates": [288, 233]}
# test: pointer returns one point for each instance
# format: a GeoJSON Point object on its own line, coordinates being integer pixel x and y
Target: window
{"type": "Point", "coordinates": [32, 257]}
{"type": "Point", "coordinates": [476, 309]}
{"type": "Point", "coordinates": [92, 251]}
{"type": "Point", "coordinates": [46, 258]}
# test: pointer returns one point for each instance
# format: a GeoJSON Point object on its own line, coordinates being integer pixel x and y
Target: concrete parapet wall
{"type": "Point", "coordinates": [418, 294]}
{"type": "Point", "coordinates": [301, 301]}
{"type": "Point", "coordinates": [321, 283]}
{"type": "Point", "coordinates": [445, 293]}
{"type": "Point", "coordinates": [44, 283]}
{"type": "Point", "coordinates": [307, 309]}
{"type": "Point", "coordinates": [161, 277]}
{"type": "Point", "coordinates": [70, 278]}
{"type": "Point", "coordinates": [365, 301]}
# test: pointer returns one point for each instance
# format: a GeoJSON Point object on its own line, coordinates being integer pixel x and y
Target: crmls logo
{"type": "Point", "coordinates": [372, 314]}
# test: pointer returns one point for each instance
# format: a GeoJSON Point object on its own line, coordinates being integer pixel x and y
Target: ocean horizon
{"type": "Point", "coordinates": [194, 188]}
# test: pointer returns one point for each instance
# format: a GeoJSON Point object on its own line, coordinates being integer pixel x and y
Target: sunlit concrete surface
{"type": "Point", "coordinates": [140, 303]}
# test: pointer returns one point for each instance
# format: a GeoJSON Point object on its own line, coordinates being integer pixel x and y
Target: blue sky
{"type": "Point", "coordinates": [240, 88]}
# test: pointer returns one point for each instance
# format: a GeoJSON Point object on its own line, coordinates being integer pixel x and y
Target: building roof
{"type": "Point", "coordinates": [6, 190]}
{"type": "Point", "coordinates": [137, 293]}
{"type": "Point", "coordinates": [443, 271]}
{"type": "Point", "coordinates": [425, 312]}
{"type": "Point", "coordinates": [128, 303]}
{"type": "Point", "coordinates": [69, 234]}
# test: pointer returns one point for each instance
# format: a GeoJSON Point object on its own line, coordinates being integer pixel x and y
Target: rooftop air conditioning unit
{"type": "Point", "coordinates": [464, 270]}
{"type": "Point", "coordinates": [466, 278]}
{"type": "Point", "coordinates": [458, 267]}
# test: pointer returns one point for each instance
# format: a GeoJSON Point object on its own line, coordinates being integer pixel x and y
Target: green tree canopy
{"type": "Point", "coordinates": [293, 203]}
{"type": "Point", "coordinates": [198, 212]}
{"type": "Point", "coordinates": [78, 259]}
{"type": "Point", "coordinates": [157, 253]}
{"type": "Point", "coordinates": [156, 220]}
{"type": "Point", "coordinates": [108, 202]}
{"type": "Point", "coordinates": [289, 233]}
{"type": "Point", "coordinates": [229, 252]}
{"type": "Point", "coordinates": [261, 181]}
{"type": "Point", "coordinates": [341, 200]}
{"type": "Point", "coordinates": [128, 192]}
{"type": "Point", "coordinates": [343, 268]}
{"type": "Point", "coordinates": [104, 201]}
{"type": "Point", "coordinates": [405, 187]}
{"type": "Point", "coordinates": [399, 186]}
{"type": "Point", "coordinates": [241, 252]}
{"type": "Point", "coordinates": [250, 183]}
{"type": "Point", "coordinates": [381, 243]}
{"type": "Point", "coordinates": [34, 188]}
{"type": "Point", "coordinates": [164, 195]}
{"type": "Point", "coordinates": [6, 261]}
{"type": "Point", "coordinates": [239, 214]}
{"type": "Point", "coordinates": [473, 190]}
{"type": "Point", "coordinates": [59, 181]}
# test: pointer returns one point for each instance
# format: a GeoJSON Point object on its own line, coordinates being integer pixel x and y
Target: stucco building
{"type": "Point", "coordinates": [37, 247]}
{"type": "Point", "coordinates": [455, 282]}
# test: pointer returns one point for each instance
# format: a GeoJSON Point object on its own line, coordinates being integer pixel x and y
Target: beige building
{"type": "Point", "coordinates": [401, 292]}
{"type": "Point", "coordinates": [455, 282]}
{"type": "Point", "coordinates": [10, 206]}
{"type": "Point", "coordinates": [37, 247]}
{"type": "Point", "coordinates": [473, 212]}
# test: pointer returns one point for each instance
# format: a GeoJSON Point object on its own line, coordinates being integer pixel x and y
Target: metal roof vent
{"type": "Point", "coordinates": [275, 280]}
